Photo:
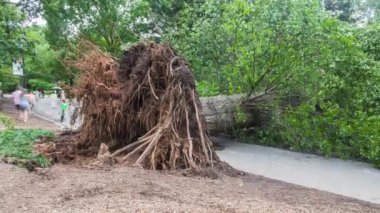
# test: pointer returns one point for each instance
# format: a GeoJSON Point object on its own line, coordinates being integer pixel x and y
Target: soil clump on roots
{"type": "Point", "coordinates": [145, 109]}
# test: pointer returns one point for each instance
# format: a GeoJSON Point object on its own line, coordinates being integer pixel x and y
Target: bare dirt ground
{"type": "Point", "coordinates": [124, 189]}
{"type": "Point", "coordinates": [70, 188]}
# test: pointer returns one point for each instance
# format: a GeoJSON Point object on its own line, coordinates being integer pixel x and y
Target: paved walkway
{"type": "Point", "coordinates": [352, 179]}
{"type": "Point", "coordinates": [44, 108]}
{"type": "Point", "coordinates": [34, 121]}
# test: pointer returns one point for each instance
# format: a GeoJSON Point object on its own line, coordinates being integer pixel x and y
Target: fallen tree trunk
{"type": "Point", "coordinates": [225, 113]}
{"type": "Point", "coordinates": [220, 112]}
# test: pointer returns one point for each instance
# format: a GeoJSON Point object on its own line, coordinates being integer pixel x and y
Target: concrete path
{"type": "Point", "coordinates": [352, 179]}
{"type": "Point", "coordinates": [44, 109]}
{"type": "Point", "coordinates": [34, 121]}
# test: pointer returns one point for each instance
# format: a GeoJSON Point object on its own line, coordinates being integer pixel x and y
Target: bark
{"type": "Point", "coordinates": [221, 111]}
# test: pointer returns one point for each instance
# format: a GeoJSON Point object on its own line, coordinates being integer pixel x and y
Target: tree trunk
{"type": "Point", "coordinates": [222, 114]}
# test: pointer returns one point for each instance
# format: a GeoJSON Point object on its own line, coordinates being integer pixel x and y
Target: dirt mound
{"type": "Point", "coordinates": [146, 110]}
{"type": "Point", "coordinates": [125, 189]}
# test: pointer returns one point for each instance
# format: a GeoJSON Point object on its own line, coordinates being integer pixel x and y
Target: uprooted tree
{"type": "Point", "coordinates": [146, 109]}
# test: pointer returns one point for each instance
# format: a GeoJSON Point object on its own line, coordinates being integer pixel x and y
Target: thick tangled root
{"type": "Point", "coordinates": [146, 109]}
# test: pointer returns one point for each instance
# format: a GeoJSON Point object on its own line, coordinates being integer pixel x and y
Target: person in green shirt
{"type": "Point", "coordinates": [64, 107]}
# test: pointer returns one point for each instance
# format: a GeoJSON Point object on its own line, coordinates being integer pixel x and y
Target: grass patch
{"type": "Point", "coordinates": [18, 143]}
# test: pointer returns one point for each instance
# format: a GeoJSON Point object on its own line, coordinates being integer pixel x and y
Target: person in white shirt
{"type": "Point", "coordinates": [16, 95]}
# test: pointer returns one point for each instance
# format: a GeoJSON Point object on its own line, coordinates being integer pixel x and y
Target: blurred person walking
{"type": "Point", "coordinates": [24, 108]}
{"type": "Point", "coordinates": [32, 99]}
{"type": "Point", "coordinates": [16, 95]}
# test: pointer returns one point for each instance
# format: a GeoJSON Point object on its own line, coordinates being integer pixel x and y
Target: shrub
{"type": "Point", "coordinates": [18, 143]}
{"type": "Point", "coordinates": [6, 121]}
{"type": "Point", "coordinates": [37, 84]}
{"type": "Point", "coordinates": [206, 89]}
{"type": "Point", "coordinates": [335, 132]}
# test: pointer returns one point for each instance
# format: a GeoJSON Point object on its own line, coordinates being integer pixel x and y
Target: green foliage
{"type": "Point", "coordinates": [21, 41]}
{"type": "Point", "coordinates": [44, 62]}
{"type": "Point", "coordinates": [7, 122]}
{"type": "Point", "coordinates": [37, 84]}
{"type": "Point", "coordinates": [11, 41]}
{"type": "Point", "coordinates": [206, 89]}
{"type": "Point", "coordinates": [8, 81]}
{"type": "Point", "coordinates": [348, 135]}
{"type": "Point", "coordinates": [109, 24]}
{"type": "Point", "coordinates": [203, 43]}
{"type": "Point", "coordinates": [300, 50]}
{"type": "Point", "coordinates": [242, 47]}
{"type": "Point", "coordinates": [370, 39]}
{"type": "Point", "coordinates": [18, 143]}
{"type": "Point", "coordinates": [240, 115]}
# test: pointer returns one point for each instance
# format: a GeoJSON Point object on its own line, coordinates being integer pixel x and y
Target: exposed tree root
{"type": "Point", "coordinates": [158, 96]}
{"type": "Point", "coordinates": [146, 109]}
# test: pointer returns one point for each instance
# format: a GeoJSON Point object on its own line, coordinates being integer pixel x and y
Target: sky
{"type": "Point", "coordinates": [38, 20]}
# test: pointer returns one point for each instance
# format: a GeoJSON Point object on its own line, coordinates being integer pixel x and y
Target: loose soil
{"type": "Point", "coordinates": [65, 188]}
{"type": "Point", "coordinates": [75, 188]}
